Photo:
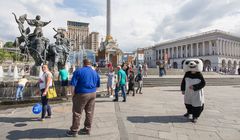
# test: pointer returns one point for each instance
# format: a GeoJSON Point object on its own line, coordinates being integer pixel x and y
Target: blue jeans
{"type": "Point", "coordinates": [161, 72]}
{"type": "Point", "coordinates": [45, 106]}
{"type": "Point", "coordinates": [19, 93]}
{"type": "Point", "coordinates": [117, 89]}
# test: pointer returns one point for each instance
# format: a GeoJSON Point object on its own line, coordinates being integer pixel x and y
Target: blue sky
{"type": "Point", "coordinates": [135, 23]}
{"type": "Point", "coordinates": [83, 7]}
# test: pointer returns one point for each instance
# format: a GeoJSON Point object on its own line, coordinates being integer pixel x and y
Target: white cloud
{"type": "Point", "coordinates": [135, 23]}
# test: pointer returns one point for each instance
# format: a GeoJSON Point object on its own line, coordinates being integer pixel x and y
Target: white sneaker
{"type": "Point", "coordinates": [111, 96]}
{"type": "Point", "coordinates": [190, 116]}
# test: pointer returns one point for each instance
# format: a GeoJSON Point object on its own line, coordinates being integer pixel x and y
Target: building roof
{"type": "Point", "coordinates": [203, 34]}
{"type": "Point", "coordinates": [76, 23]}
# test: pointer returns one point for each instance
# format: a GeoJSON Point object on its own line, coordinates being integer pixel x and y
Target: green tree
{"type": "Point", "coordinates": [4, 55]}
{"type": "Point", "coordinates": [16, 56]}
{"type": "Point", "coordinates": [8, 44]}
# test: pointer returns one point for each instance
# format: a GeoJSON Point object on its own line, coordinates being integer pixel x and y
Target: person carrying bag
{"type": "Point", "coordinates": [51, 93]}
{"type": "Point", "coordinates": [45, 85]}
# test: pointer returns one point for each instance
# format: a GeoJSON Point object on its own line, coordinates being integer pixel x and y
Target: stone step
{"type": "Point", "coordinates": [155, 71]}
{"type": "Point", "coordinates": [154, 82]}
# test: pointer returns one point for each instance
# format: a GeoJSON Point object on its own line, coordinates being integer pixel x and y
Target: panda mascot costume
{"type": "Point", "coordinates": [192, 88]}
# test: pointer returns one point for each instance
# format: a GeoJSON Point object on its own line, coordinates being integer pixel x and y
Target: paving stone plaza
{"type": "Point", "coordinates": [157, 114]}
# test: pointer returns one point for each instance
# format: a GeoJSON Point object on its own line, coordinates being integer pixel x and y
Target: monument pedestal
{"type": "Point", "coordinates": [36, 70]}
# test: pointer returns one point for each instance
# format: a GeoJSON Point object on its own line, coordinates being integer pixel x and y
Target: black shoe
{"type": "Point", "coordinates": [115, 100]}
{"type": "Point", "coordinates": [71, 133]}
{"type": "Point", "coordinates": [194, 120]}
{"type": "Point", "coordinates": [186, 115]}
{"type": "Point", "coordinates": [124, 100]}
{"type": "Point", "coordinates": [84, 131]}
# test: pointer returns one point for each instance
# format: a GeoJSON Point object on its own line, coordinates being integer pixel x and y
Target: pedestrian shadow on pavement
{"type": "Point", "coordinates": [16, 119]}
{"type": "Point", "coordinates": [158, 119]}
{"type": "Point", "coordinates": [103, 101]}
{"type": "Point", "coordinates": [40, 133]}
{"type": "Point", "coordinates": [236, 86]}
{"type": "Point", "coordinates": [172, 90]}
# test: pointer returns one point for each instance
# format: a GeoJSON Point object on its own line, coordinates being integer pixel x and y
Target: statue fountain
{"type": "Point", "coordinates": [10, 70]}
{"type": "Point", "coordinates": [1, 72]}
{"type": "Point", "coordinates": [22, 72]}
{"type": "Point", "coordinates": [15, 73]}
{"type": "Point", "coordinates": [39, 48]}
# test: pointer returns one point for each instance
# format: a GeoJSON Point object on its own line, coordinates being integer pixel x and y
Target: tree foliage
{"type": "Point", "coordinates": [5, 55]}
{"type": "Point", "coordinates": [8, 44]}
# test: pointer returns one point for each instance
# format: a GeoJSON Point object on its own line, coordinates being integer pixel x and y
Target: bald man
{"type": "Point", "coordinates": [84, 85]}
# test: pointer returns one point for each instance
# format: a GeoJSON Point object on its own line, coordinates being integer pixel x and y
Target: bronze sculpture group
{"type": "Point", "coordinates": [38, 46]}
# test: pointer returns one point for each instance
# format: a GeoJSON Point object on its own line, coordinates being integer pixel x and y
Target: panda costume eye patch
{"type": "Point", "coordinates": [196, 62]}
{"type": "Point", "coordinates": [187, 62]}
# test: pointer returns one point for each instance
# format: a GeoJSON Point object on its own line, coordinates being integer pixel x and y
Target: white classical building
{"type": "Point", "coordinates": [219, 50]}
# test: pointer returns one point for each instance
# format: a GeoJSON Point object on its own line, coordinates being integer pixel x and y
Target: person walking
{"type": "Point", "coordinates": [121, 84]}
{"type": "Point", "coordinates": [131, 81]}
{"type": "Point", "coordinates": [161, 69]}
{"type": "Point", "coordinates": [145, 69]}
{"type": "Point", "coordinates": [125, 68]}
{"type": "Point", "coordinates": [45, 82]}
{"type": "Point", "coordinates": [84, 84]}
{"type": "Point", "coordinates": [21, 84]}
{"type": "Point", "coordinates": [139, 80]}
{"type": "Point", "coordinates": [110, 81]}
{"type": "Point", "coordinates": [63, 77]}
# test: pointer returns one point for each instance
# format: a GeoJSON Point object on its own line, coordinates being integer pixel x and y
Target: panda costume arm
{"type": "Point", "coordinates": [201, 84]}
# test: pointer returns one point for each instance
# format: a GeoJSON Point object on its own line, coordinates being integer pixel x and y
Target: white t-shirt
{"type": "Point", "coordinates": [43, 78]}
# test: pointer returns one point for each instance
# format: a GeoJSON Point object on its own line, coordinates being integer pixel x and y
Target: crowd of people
{"type": "Point", "coordinates": [83, 87]}
{"type": "Point", "coordinates": [86, 80]}
{"type": "Point", "coordinates": [125, 80]}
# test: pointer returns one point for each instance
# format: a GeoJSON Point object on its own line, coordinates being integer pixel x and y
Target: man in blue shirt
{"type": "Point", "coordinates": [84, 84]}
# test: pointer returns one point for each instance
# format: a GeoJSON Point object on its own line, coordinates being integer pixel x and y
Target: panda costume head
{"type": "Point", "coordinates": [193, 65]}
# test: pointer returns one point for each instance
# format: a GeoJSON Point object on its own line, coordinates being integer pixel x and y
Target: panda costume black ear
{"type": "Point", "coordinates": [201, 60]}
{"type": "Point", "coordinates": [183, 61]}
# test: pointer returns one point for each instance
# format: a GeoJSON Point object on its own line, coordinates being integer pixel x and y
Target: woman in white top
{"type": "Point", "coordinates": [110, 81]}
{"type": "Point", "coordinates": [45, 82]}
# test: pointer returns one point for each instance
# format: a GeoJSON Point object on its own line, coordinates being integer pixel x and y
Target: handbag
{"type": "Point", "coordinates": [51, 93]}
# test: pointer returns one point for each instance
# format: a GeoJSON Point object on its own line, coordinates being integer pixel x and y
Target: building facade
{"type": "Point", "coordinates": [93, 41]}
{"type": "Point", "coordinates": [149, 57]}
{"type": "Point", "coordinates": [128, 57]}
{"type": "Point", "coordinates": [219, 51]}
{"type": "Point", "coordinates": [139, 56]}
{"type": "Point", "coordinates": [78, 34]}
